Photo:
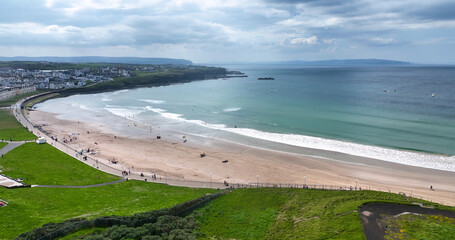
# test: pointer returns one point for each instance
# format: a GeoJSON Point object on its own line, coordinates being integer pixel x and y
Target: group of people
{"type": "Point", "coordinates": [69, 140]}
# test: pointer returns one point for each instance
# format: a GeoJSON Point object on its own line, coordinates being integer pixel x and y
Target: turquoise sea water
{"type": "Point", "coordinates": [363, 111]}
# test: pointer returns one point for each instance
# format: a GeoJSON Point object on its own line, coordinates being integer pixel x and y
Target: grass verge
{"type": "Point", "coordinates": [11, 128]}
{"type": "Point", "coordinates": [2, 144]}
{"type": "Point", "coordinates": [288, 214]}
{"type": "Point", "coordinates": [29, 208]}
{"type": "Point", "coordinates": [45, 165]}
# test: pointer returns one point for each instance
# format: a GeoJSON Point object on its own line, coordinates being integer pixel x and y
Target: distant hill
{"type": "Point", "coordinates": [96, 59]}
{"type": "Point", "coordinates": [345, 62]}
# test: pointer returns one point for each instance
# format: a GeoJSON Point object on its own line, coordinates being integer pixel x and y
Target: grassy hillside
{"type": "Point", "coordinates": [29, 208]}
{"type": "Point", "coordinates": [45, 165]}
{"type": "Point", "coordinates": [288, 214]}
{"type": "Point", "coordinates": [10, 128]}
{"type": "Point", "coordinates": [150, 79]}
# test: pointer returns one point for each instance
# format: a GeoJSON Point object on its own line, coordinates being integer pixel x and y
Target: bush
{"type": "Point", "coordinates": [160, 222]}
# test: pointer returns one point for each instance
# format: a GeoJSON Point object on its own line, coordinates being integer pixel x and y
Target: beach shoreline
{"type": "Point", "coordinates": [177, 157]}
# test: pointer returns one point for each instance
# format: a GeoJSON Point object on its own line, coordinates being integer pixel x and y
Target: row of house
{"type": "Point", "coordinates": [14, 91]}
{"type": "Point", "coordinates": [15, 81]}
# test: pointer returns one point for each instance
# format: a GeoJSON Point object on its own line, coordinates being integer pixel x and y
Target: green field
{"type": "Point", "coordinates": [2, 144]}
{"type": "Point", "coordinates": [10, 128]}
{"type": "Point", "coordinates": [29, 208]}
{"type": "Point", "coordinates": [288, 214]}
{"type": "Point", "coordinates": [45, 165]}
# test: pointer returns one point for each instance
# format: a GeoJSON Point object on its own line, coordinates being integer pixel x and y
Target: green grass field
{"type": "Point", "coordinates": [45, 165]}
{"type": "Point", "coordinates": [2, 144]}
{"type": "Point", "coordinates": [288, 214]}
{"type": "Point", "coordinates": [10, 128]}
{"type": "Point", "coordinates": [29, 208]}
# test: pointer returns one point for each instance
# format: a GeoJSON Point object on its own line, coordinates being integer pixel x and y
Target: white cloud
{"type": "Point", "coordinates": [304, 41]}
{"type": "Point", "coordinates": [382, 41]}
{"type": "Point", "coordinates": [250, 27]}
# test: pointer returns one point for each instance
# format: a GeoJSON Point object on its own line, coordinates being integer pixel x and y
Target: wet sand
{"type": "Point", "coordinates": [141, 151]}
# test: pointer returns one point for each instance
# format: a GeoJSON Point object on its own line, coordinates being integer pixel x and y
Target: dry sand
{"type": "Point", "coordinates": [182, 160]}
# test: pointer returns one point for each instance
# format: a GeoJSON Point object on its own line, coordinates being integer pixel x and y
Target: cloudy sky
{"type": "Point", "coordinates": [231, 30]}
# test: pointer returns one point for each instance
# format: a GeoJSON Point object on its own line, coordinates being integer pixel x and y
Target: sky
{"type": "Point", "coordinates": [222, 31]}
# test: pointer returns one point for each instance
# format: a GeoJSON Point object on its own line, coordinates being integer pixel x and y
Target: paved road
{"type": "Point", "coordinates": [11, 145]}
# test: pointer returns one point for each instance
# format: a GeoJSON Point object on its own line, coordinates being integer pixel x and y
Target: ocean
{"type": "Point", "coordinates": [400, 114]}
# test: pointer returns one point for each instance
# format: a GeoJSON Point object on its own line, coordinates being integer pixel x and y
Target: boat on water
{"type": "Point", "coordinates": [266, 78]}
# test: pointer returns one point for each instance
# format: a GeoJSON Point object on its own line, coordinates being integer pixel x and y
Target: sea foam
{"type": "Point", "coordinates": [126, 112]}
{"type": "Point", "coordinates": [178, 117]}
{"type": "Point", "coordinates": [152, 101]}
{"type": "Point", "coordinates": [417, 159]}
{"type": "Point", "coordinates": [433, 161]}
{"type": "Point", "coordinates": [232, 109]}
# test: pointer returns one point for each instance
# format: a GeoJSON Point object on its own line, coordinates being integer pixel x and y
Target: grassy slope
{"type": "Point", "coordinates": [45, 165]}
{"type": "Point", "coordinates": [288, 214]}
{"type": "Point", "coordinates": [149, 79]}
{"type": "Point", "coordinates": [242, 214]}
{"type": "Point", "coordinates": [32, 207]}
{"type": "Point", "coordinates": [10, 128]}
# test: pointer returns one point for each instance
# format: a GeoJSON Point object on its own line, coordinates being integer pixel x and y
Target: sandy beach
{"type": "Point", "coordinates": [180, 158]}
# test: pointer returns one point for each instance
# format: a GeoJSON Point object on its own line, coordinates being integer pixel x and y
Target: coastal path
{"type": "Point", "coordinates": [11, 145]}
{"type": "Point", "coordinates": [85, 186]}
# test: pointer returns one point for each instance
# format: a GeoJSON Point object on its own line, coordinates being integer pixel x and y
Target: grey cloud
{"type": "Point", "coordinates": [150, 30]}
{"type": "Point", "coordinates": [315, 2]}
{"type": "Point", "coordinates": [434, 11]}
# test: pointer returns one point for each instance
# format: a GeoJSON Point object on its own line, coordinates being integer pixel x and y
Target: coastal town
{"type": "Point", "coordinates": [16, 80]}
